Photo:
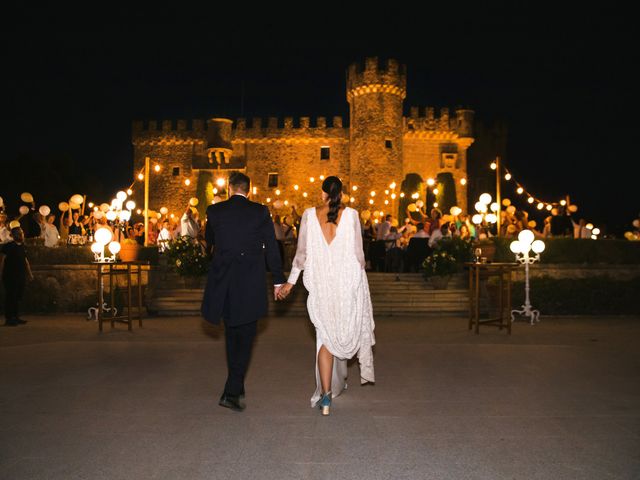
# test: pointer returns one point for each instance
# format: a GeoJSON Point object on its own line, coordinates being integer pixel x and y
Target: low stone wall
{"type": "Point", "coordinates": [68, 288]}
{"type": "Point", "coordinates": [568, 270]}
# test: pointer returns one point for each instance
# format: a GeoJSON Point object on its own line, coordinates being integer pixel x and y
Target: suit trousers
{"type": "Point", "coordinates": [239, 340]}
{"type": "Point", "coordinates": [13, 291]}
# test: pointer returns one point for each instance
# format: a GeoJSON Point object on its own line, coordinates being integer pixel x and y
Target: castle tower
{"type": "Point", "coordinates": [219, 147]}
{"type": "Point", "coordinates": [375, 97]}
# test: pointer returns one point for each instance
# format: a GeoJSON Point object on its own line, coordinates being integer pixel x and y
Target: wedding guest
{"type": "Point", "coordinates": [383, 228]}
{"type": "Point", "coordinates": [51, 235]}
{"type": "Point", "coordinates": [439, 234]}
{"type": "Point", "coordinates": [423, 231]}
{"type": "Point", "coordinates": [164, 236]}
{"type": "Point", "coordinates": [14, 271]}
{"type": "Point", "coordinates": [5, 234]}
{"type": "Point", "coordinates": [189, 226]}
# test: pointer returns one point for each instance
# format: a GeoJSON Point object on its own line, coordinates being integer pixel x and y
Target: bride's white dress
{"type": "Point", "coordinates": [339, 302]}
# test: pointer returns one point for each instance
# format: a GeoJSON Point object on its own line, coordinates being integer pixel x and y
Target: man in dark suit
{"type": "Point", "coordinates": [241, 234]}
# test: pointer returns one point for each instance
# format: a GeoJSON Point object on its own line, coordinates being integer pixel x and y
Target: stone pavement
{"type": "Point", "coordinates": [560, 400]}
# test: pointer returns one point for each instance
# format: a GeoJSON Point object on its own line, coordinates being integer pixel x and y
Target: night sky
{"type": "Point", "coordinates": [560, 80]}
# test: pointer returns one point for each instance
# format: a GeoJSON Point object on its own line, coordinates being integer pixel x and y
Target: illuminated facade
{"type": "Point", "coordinates": [286, 158]}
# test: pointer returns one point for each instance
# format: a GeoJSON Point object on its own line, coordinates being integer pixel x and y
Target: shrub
{"type": "Point", "coordinates": [187, 257]}
{"type": "Point", "coordinates": [440, 264]}
{"type": "Point", "coordinates": [461, 250]}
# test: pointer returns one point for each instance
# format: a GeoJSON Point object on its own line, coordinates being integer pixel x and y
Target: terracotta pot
{"type": "Point", "coordinates": [129, 252]}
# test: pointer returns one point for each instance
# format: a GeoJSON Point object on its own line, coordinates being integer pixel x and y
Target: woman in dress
{"type": "Point", "coordinates": [339, 304]}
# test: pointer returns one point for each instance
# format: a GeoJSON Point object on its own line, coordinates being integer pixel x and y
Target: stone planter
{"type": "Point", "coordinates": [440, 282]}
{"type": "Point", "coordinates": [129, 252]}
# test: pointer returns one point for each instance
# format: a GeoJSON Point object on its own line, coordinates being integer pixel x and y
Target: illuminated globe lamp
{"type": "Point", "coordinates": [114, 248]}
{"type": "Point", "coordinates": [521, 247]}
{"type": "Point", "coordinates": [102, 237]}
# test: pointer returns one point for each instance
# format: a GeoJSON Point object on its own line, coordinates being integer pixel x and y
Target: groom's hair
{"type": "Point", "coordinates": [240, 182]}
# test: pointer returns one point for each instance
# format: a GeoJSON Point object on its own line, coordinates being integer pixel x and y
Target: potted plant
{"type": "Point", "coordinates": [189, 260]}
{"type": "Point", "coordinates": [438, 268]}
{"type": "Point", "coordinates": [129, 250]}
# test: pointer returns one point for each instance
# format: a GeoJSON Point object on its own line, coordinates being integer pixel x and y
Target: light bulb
{"type": "Point", "coordinates": [549, 207]}
{"type": "Point", "coordinates": [507, 176]}
{"type": "Point", "coordinates": [515, 247]}
{"type": "Point", "coordinates": [373, 194]}
{"type": "Point", "coordinates": [103, 235]}
{"type": "Point", "coordinates": [386, 192]}
{"type": "Point", "coordinates": [594, 237]}
{"type": "Point", "coordinates": [493, 165]}
{"type": "Point", "coordinates": [477, 219]}
{"type": "Point", "coordinates": [187, 182]}
{"type": "Point", "coordinates": [296, 187]}
{"type": "Point", "coordinates": [520, 190]}
{"type": "Point", "coordinates": [435, 204]}
{"type": "Point", "coordinates": [138, 211]}
{"type": "Point", "coordinates": [495, 207]}
{"type": "Point", "coordinates": [164, 210]}
{"type": "Point", "coordinates": [463, 181]}
{"type": "Point", "coordinates": [436, 191]}
{"type": "Point", "coordinates": [540, 206]}
{"type": "Point", "coordinates": [277, 192]}
{"type": "Point", "coordinates": [371, 201]}
{"type": "Point", "coordinates": [354, 188]}
{"type": "Point", "coordinates": [526, 237]}
{"type": "Point", "coordinates": [538, 246]}
{"type": "Point", "coordinates": [305, 194]}
{"type": "Point", "coordinates": [114, 248]}
{"type": "Point", "coordinates": [311, 179]}
{"type": "Point", "coordinates": [129, 192]}
{"type": "Point", "coordinates": [131, 205]}
{"type": "Point", "coordinates": [386, 202]}
{"type": "Point", "coordinates": [596, 231]}
{"type": "Point", "coordinates": [268, 199]}
{"type": "Point", "coordinates": [563, 202]}
{"type": "Point", "coordinates": [485, 198]}
{"type": "Point", "coordinates": [352, 199]}
{"type": "Point", "coordinates": [392, 185]}
{"type": "Point", "coordinates": [215, 190]}
{"type": "Point", "coordinates": [156, 168]}
{"type": "Point", "coordinates": [121, 196]}
{"type": "Point", "coordinates": [255, 190]}
{"type": "Point", "coordinates": [401, 194]}
{"type": "Point", "coordinates": [589, 226]}
{"type": "Point", "coordinates": [530, 200]}
{"type": "Point", "coordinates": [221, 182]}
{"type": "Point", "coordinates": [393, 196]}
{"type": "Point", "coordinates": [321, 177]}
{"type": "Point", "coordinates": [140, 176]}
{"type": "Point", "coordinates": [431, 182]}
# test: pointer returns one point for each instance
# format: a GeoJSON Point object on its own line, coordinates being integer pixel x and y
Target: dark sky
{"type": "Point", "coordinates": [561, 80]}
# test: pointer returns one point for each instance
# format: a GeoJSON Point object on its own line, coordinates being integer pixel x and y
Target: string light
{"type": "Point", "coordinates": [392, 185]}
{"type": "Point", "coordinates": [321, 177]}
{"type": "Point", "coordinates": [436, 191]}
{"type": "Point", "coordinates": [435, 204]}
{"type": "Point", "coordinates": [507, 176]}
{"type": "Point", "coordinates": [493, 165]}
{"type": "Point", "coordinates": [401, 194]}
{"type": "Point", "coordinates": [520, 190]}
{"type": "Point", "coordinates": [354, 188]}
{"type": "Point", "coordinates": [129, 192]}
{"type": "Point", "coordinates": [352, 199]}
{"type": "Point", "coordinates": [311, 179]}
{"type": "Point", "coordinates": [156, 168]}
{"type": "Point", "coordinates": [463, 181]}
{"type": "Point", "coordinates": [305, 194]}
{"type": "Point", "coordinates": [296, 187]}
{"type": "Point", "coordinates": [277, 192]}
{"type": "Point", "coordinates": [141, 176]}
{"type": "Point", "coordinates": [431, 182]}
{"type": "Point", "coordinates": [187, 182]}
{"type": "Point", "coordinates": [530, 200]}
{"type": "Point", "coordinates": [371, 201]}
{"type": "Point", "coordinates": [373, 194]}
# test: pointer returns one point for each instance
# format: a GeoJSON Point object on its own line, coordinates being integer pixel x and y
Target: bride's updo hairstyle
{"type": "Point", "coordinates": [332, 186]}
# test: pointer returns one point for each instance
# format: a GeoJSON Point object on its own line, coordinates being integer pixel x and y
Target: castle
{"type": "Point", "coordinates": [383, 157]}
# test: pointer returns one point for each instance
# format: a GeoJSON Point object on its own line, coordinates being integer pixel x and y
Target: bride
{"type": "Point", "coordinates": [339, 304]}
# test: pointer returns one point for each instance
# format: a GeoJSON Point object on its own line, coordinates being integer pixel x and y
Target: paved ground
{"type": "Point", "coordinates": [560, 400]}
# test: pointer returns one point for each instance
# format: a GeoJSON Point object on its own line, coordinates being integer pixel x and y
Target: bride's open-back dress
{"type": "Point", "coordinates": [339, 302]}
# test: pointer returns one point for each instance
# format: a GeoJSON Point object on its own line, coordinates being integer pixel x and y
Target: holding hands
{"type": "Point", "coordinates": [284, 291]}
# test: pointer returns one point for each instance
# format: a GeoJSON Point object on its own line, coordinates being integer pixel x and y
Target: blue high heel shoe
{"type": "Point", "coordinates": [324, 404]}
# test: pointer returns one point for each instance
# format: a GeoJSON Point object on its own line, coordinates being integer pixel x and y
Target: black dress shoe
{"type": "Point", "coordinates": [231, 401]}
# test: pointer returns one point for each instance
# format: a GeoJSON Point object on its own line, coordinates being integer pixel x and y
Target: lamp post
{"type": "Point", "coordinates": [146, 200]}
{"type": "Point", "coordinates": [521, 248]}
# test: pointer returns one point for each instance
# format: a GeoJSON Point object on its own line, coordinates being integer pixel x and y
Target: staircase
{"type": "Point", "coordinates": [391, 295]}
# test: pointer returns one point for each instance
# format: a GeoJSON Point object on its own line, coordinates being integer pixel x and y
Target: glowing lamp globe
{"type": "Point", "coordinates": [221, 182]}
{"type": "Point", "coordinates": [589, 226]}
{"type": "Point", "coordinates": [455, 211]}
{"type": "Point", "coordinates": [104, 207]}
{"type": "Point", "coordinates": [492, 218]}
{"type": "Point", "coordinates": [594, 237]}
{"type": "Point", "coordinates": [164, 210]}
{"type": "Point", "coordinates": [114, 248]}
{"type": "Point", "coordinates": [412, 207]}
{"type": "Point", "coordinates": [125, 215]}
{"type": "Point", "coordinates": [130, 205]}
{"type": "Point", "coordinates": [111, 215]}
{"type": "Point", "coordinates": [477, 219]}
{"type": "Point", "coordinates": [193, 201]}
{"type": "Point", "coordinates": [122, 196]}
{"type": "Point", "coordinates": [44, 210]}
{"type": "Point", "coordinates": [485, 198]}
{"type": "Point", "coordinates": [97, 248]}
{"type": "Point", "coordinates": [596, 231]}
{"type": "Point", "coordinates": [419, 204]}
{"type": "Point", "coordinates": [481, 207]}
{"type": "Point", "coordinates": [515, 247]}
{"type": "Point", "coordinates": [495, 207]}
{"type": "Point", "coordinates": [506, 202]}
{"type": "Point", "coordinates": [98, 214]}
{"type": "Point", "coordinates": [23, 210]}
{"type": "Point", "coordinates": [526, 237]}
{"type": "Point", "coordinates": [26, 197]}
{"type": "Point", "coordinates": [103, 236]}
{"type": "Point", "coordinates": [431, 182]}
{"type": "Point", "coordinates": [537, 246]}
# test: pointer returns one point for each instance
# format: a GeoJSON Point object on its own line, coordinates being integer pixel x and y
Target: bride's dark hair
{"type": "Point", "coordinates": [332, 186]}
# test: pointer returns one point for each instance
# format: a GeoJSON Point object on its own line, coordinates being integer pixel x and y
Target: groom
{"type": "Point", "coordinates": [241, 234]}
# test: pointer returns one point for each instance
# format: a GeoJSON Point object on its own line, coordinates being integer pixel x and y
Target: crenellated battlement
{"type": "Point", "coordinates": [372, 77]}
{"type": "Point", "coordinates": [424, 119]}
{"type": "Point", "coordinates": [288, 128]}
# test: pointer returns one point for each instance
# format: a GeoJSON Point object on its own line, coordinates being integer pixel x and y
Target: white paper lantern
{"type": "Point", "coordinates": [63, 206]}
{"type": "Point", "coordinates": [477, 219]}
{"type": "Point", "coordinates": [573, 208]}
{"type": "Point", "coordinates": [104, 207]}
{"type": "Point", "coordinates": [26, 197]}
{"type": "Point", "coordinates": [455, 211]}
{"type": "Point", "coordinates": [596, 231]}
{"type": "Point", "coordinates": [193, 201]}
{"type": "Point", "coordinates": [130, 205]}
{"type": "Point", "coordinates": [23, 210]}
{"type": "Point", "coordinates": [121, 196]}
{"type": "Point", "coordinates": [98, 214]}
{"type": "Point", "coordinates": [164, 210]}
{"type": "Point", "coordinates": [495, 207]}
{"type": "Point", "coordinates": [111, 215]}
{"type": "Point", "coordinates": [492, 218]}
{"type": "Point", "coordinates": [74, 206]}
{"type": "Point", "coordinates": [485, 198]}
{"type": "Point", "coordinates": [77, 199]}
{"type": "Point", "coordinates": [44, 210]}
{"type": "Point", "coordinates": [419, 204]}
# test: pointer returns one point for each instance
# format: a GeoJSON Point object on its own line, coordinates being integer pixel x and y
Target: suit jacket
{"type": "Point", "coordinates": [242, 235]}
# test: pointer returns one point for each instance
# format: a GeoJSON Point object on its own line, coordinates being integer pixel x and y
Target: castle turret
{"type": "Point", "coordinates": [219, 148]}
{"type": "Point", "coordinates": [375, 95]}
{"type": "Point", "coordinates": [464, 125]}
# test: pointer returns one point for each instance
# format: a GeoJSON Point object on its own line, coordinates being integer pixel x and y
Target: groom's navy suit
{"type": "Point", "coordinates": [242, 235]}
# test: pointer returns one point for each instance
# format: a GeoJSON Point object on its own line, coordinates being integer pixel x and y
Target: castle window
{"type": "Point", "coordinates": [273, 180]}
{"type": "Point", "coordinates": [388, 144]}
{"type": "Point", "coordinates": [325, 153]}
{"type": "Point", "coordinates": [175, 172]}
